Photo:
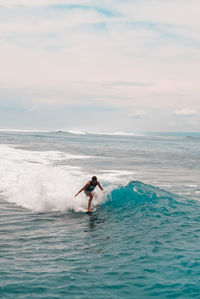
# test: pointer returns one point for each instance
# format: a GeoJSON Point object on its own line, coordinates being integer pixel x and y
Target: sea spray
{"type": "Point", "coordinates": [33, 180]}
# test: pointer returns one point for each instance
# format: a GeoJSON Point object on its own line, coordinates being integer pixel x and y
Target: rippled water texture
{"type": "Point", "coordinates": [143, 239]}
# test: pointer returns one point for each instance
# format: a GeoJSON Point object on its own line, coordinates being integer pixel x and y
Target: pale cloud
{"type": "Point", "coordinates": [187, 115]}
{"type": "Point", "coordinates": [186, 112]}
{"type": "Point", "coordinates": [138, 113]}
{"type": "Point", "coordinates": [127, 84]}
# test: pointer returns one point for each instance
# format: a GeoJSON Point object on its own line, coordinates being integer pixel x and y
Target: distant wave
{"type": "Point", "coordinates": [81, 132]}
{"type": "Point", "coordinates": [191, 135]}
{"type": "Point", "coordinates": [114, 133]}
{"type": "Point", "coordinates": [26, 131]}
{"type": "Point", "coordinates": [75, 132]}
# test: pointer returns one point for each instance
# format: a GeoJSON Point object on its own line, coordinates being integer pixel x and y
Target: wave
{"type": "Point", "coordinates": [114, 133]}
{"type": "Point", "coordinates": [38, 181]}
{"type": "Point", "coordinates": [142, 200]}
{"type": "Point", "coordinates": [76, 132]}
{"type": "Point", "coordinates": [136, 191]}
{"type": "Point", "coordinates": [72, 131]}
{"type": "Point", "coordinates": [26, 131]}
{"type": "Point", "coordinates": [83, 132]}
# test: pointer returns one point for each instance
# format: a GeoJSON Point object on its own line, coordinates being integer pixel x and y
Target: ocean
{"type": "Point", "coordinates": [141, 241]}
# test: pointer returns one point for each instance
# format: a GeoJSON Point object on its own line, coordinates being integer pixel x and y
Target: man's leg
{"type": "Point", "coordinates": [90, 201]}
{"type": "Point", "coordinates": [94, 194]}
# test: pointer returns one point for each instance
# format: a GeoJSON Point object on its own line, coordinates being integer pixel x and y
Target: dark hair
{"type": "Point", "coordinates": [94, 178]}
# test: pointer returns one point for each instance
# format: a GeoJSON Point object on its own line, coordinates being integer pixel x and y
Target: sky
{"type": "Point", "coordinates": [100, 65]}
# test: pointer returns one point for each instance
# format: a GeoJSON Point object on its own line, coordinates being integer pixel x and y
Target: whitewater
{"type": "Point", "coordinates": [142, 241]}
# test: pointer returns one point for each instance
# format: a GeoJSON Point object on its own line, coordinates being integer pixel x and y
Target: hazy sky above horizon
{"type": "Point", "coordinates": [115, 65]}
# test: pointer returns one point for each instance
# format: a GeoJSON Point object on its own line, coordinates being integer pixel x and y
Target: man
{"type": "Point", "coordinates": [88, 190]}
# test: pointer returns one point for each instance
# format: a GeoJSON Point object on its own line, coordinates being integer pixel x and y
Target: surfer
{"type": "Point", "coordinates": [89, 190]}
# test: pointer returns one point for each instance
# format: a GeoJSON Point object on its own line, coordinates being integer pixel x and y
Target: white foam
{"type": "Point", "coordinates": [45, 157]}
{"type": "Point", "coordinates": [76, 132]}
{"type": "Point", "coordinates": [122, 134]}
{"type": "Point", "coordinates": [117, 176]}
{"type": "Point", "coordinates": [114, 133]}
{"type": "Point", "coordinates": [192, 185]}
{"type": "Point", "coordinates": [83, 132]}
{"type": "Point", "coordinates": [33, 180]}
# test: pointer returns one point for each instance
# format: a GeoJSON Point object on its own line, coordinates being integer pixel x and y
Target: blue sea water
{"type": "Point", "coordinates": [142, 241]}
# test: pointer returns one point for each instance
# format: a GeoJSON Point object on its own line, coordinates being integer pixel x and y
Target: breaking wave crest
{"type": "Point", "coordinates": [41, 181]}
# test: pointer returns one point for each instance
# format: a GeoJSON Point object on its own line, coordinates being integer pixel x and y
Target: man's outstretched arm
{"type": "Point", "coordinates": [82, 189]}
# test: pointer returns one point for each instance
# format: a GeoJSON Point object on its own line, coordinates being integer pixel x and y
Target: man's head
{"type": "Point", "coordinates": [94, 179]}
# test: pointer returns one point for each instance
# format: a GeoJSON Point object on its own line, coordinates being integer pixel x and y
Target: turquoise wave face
{"type": "Point", "coordinates": [137, 197]}
{"type": "Point", "coordinates": [135, 193]}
